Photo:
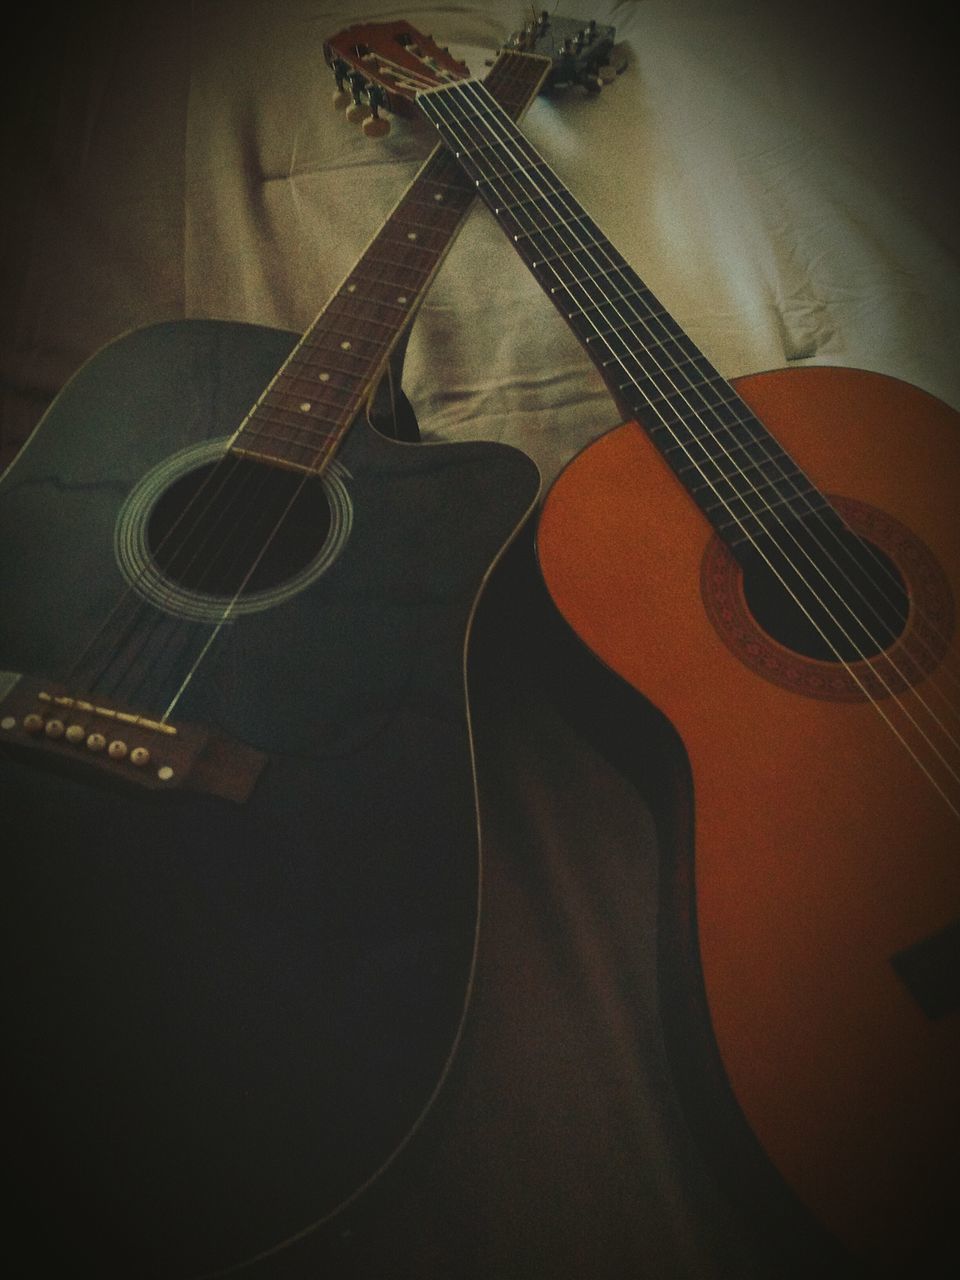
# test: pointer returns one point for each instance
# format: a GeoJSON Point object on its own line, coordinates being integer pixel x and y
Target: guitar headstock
{"type": "Point", "coordinates": [383, 65]}
{"type": "Point", "coordinates": [580, 52]}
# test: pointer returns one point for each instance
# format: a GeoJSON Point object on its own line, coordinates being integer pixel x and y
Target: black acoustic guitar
{"type": "Point", "coordinates": [242, 885]}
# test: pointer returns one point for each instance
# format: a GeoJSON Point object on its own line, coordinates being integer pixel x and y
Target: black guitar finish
{"type": "Point", "coordinates": [223, 1019]}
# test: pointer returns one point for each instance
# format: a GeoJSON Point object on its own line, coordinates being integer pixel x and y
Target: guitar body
{"type": "Point", "coordinates": [224, 1019]}
{"type": "Point", "coordinates": [814, 855]}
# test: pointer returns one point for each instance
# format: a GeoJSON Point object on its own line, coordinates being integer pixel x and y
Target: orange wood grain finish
{"type": "Point", "coordinates": [821, 849]}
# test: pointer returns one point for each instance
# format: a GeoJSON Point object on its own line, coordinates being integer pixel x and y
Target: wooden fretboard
{"type": "Point", "coordinates": [736, 472]}
{"type": "Point", "coordinates": [333, 371]}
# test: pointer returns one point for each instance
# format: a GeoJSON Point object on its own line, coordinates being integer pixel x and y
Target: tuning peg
{"type": "Point", "coordinates": [615, 65]}
{"type": "Point", "coordinates": [357, 109]}
{"type": "Point", "coordinates": [340, 95]}
{"type": "Point", "coordinates": [375, 126]}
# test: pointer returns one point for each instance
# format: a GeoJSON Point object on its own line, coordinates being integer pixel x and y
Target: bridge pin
{"type": "Point", "coordinates": [54, 729]}
{"type": "Point", "coordinates": [33, 723]}
{"type": "Point", "coordinates": [96, 742]}
{"type": "Point", "coordinates": [140, 756]}
{"type": "Point", "coordinates": [75, 733]}
{"type": "Point", "coordinates": [117, 749]}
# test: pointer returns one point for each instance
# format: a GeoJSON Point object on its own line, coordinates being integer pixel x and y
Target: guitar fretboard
{"type": "Point", "coordinates": [739, 476]}
{"type": "Point", "coordinates": [333, 371]}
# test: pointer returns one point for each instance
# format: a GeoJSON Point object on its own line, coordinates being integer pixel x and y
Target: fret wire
{"type": "Point", "coordinates": [409, 257]}
{"type": "Point", "coordinates": [735, 446]}
{"type": "Point", "coordinates": [732, 444]}
{"type": "Point", "coordinates": [301, 457]}
{"type": "Point", "coordinates": [324, 350]}
{"type": "Point", "coordinates": [457, 206]}
{"type": "Point", "coordinates": [301, 387]}
{"type": "Point", "coordinates": [417, 246]}
{"type": "Point", "coordinates": [626, 297]}
{"type": "Point", "coordinates": [436, 215]}
{"type": "Point", "coordinates": [278, 442]}
{"type": "Point", "coordinates": [350, 334]}
{"type": "Point", "coordinates": [314, 442]}
{"type": "Point", "coordinates": [298, 418]}
{"type": "Point", "coordinates": [391, 282]}
{"type": "Point", "coordinates": [392, 303]}
{"type": "Point", "coordinates": [318, 343]}
{"type": "Point", "coordinates": [430, 237]}
{"type": "Point", "coordinates": [627, 327]}
{"type": "Point", "coordinates": [564, 253]}
{"type": "Point", "coordinates": [318, 405]}
{"type": "Point", "coordinates": [646, 375]}
{"type": "Point", "coordinates": [771, 510]}
{"type": "Point", "coordinates": [263, 424]}
{"type": "Point", "coordinates": [303, 392]}
{"type": "Point", "coordinates": [757, 490]}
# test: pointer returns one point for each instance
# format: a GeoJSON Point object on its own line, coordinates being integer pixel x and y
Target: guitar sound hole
{"type": "Point", "coordinates": [826, 594]}
{"type": "Point", "coordinates": [237, 526]}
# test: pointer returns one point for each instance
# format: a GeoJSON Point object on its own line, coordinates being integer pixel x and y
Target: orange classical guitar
{"type": "Point", "coordinates": [774, 565]}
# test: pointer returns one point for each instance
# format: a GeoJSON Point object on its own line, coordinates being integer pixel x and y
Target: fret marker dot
{"type": "Point", "coordinates": [351, 288]}
{"type": "Point", "coordinates": [305, 406]}
{"type": "Point", "coordinates": [438, 196]}
{"type": "Point", "coordinates": [324, 377]}
{"type": "Point", "coordinates": [345, 346]}
{"type": "Point", "coordinates": [411, 235]}
{"type": "Point", "coordinates": [402, 299]}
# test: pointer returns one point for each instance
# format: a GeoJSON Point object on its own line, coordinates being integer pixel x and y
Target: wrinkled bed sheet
{"type": "Point", "coordinates": [784, 177]}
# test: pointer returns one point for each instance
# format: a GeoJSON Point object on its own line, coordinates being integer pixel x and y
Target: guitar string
{"type": "Point", "coordinates": [580, 248]}
{"type": "Point", "coordinates": [891, 663]}
{"type": "Point", "coordinates": [253, 486]}
{"type": "Point", "coordinates": [114, 625]}
{"type": "Point", "coordinates": [433, 96]}
{"type": "Point", "coordinates": [512, 81]}
{"type": "Point", "coordinates": [678, 340]}
{"type": "Point", "coordinates": [366, 387]}
{"type": "Point", "coordinates": [209, 491]}
{"type": "Point", "coordinates": [781, 549]}
{"type": "Point", "coordinates": [940, 656]}
{"type": "Point", "coordinates": [204, 499]}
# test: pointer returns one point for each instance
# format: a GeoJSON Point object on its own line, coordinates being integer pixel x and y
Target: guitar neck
{"type": "Point", "coordinates": [303, 415]}
{"type": "Point", "coordinates": [732, 467]}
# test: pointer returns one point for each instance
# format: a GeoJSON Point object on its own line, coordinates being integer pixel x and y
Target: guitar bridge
{"type": "Point", "coordinates": [112, 744]}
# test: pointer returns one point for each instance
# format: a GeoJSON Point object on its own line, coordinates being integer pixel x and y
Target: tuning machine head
{"type": "Point", "coordinates": [359, 98]}
{"type": "Point", "coordinates": [341, 97]}
{"type": "Point", "coordinates": [582, 53]}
